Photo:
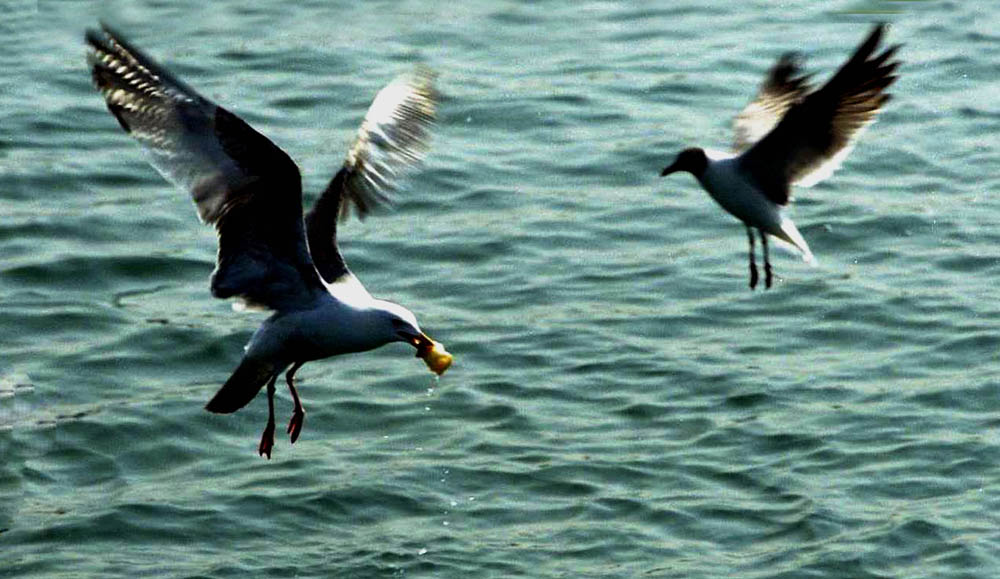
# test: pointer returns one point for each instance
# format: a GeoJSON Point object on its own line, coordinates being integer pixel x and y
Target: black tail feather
{"type": "Point", "coordinates": [250, 376]}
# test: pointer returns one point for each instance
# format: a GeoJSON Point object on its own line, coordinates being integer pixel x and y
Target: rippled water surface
{"type": "Point", "coordinates": [621, 404]}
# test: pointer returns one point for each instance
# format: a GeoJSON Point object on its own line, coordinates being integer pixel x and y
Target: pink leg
{"type": "Point", "coordinates": [267, 439]}
{"type": "Point", "coordinates": [298, 413]}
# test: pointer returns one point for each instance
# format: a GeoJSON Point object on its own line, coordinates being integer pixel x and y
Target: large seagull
{"type": "Point", "coordinates": [270, 257]}
{"type": "Point", "coordinates": [791, 135]}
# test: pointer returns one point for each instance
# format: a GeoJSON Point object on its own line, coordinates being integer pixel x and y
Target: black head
{"type": "Point", "coordinates": [692, 160]}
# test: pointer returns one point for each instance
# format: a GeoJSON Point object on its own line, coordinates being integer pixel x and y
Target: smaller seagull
{"type": "Point", "coordinates": [791, 135]}
{"type": "Point", "coordinates": [270, 257]}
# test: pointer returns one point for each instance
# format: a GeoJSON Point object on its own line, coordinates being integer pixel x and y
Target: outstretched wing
{"type": "Point", "coordinates": [817, 133]}
{"type": "Point", "coordinates": [784, 86]}
{"type": "Point", "coordinates": [239, 180]}
{"type": "Point", "coordinates": [393, 137]}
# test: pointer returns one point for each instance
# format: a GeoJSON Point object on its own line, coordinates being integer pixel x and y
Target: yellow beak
{"type": "Point", "coordinates": [433, 354]}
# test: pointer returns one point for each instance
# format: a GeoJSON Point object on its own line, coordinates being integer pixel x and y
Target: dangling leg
{"type": "Point", "coordinates": [753, 262]}
{"type": "Point", "coordinates": [298, 413]}
{"type": "Point", "coordinates": [267, 439]}
{"type": "Point", "coordinates": [767, 261]}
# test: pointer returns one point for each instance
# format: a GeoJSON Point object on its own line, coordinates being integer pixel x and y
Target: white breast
{"type": "Point", "coordinates": [332, 328]}
{"type": "Point", "coordinates": [737, 195]}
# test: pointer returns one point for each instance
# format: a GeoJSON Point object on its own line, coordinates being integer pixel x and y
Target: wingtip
{"type": "Point", "coordinates": [394, 137]}
{"type": "Point", "coordinates": [108, 29]}
{"type": "Point", "coordinates": [425, 74]}
{"type": "Point", "coordinates": [102, 34]}
{"type": "Point", "coordinates": [869, 44]}
{"type": "Point", "coordinates": [878, 30]}
{"type": "Point", "coordinates": [91, 35]}
{"type": "Point", "coordinates": [98, 38]}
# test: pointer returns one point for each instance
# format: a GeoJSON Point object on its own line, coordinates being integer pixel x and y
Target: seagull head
{"type": "Point", "coordinates": [404, 328]}
{"type": "Point", "coordinates": [692, 160]}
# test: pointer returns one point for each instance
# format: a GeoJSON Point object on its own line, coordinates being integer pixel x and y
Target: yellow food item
{"type": "Point", "coordinates": [437, 358]}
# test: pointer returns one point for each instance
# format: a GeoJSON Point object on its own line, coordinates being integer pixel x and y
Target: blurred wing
{"type": "Point", "coordinates": [239, 180]}
{"type": "Point", "coordinates": [784, 86]}
{"type": "Point", "coordinates": [817, 133]}
{"type": "Point", "coordinates": [394, 137]}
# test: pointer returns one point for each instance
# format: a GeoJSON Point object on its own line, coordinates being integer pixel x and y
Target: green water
{"type": "Point", "coordinates": [621, 404]}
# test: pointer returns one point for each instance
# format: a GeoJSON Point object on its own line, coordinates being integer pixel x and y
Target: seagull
{"type": "Point", "coordinates": [791, 135]}
{"type": "Point", "coordinates": [270, 257]}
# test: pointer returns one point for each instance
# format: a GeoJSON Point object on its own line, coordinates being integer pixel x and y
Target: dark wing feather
{"type": "Point", "coordinates": [240, 181]}
{"type": "Point", "coordinates": [393, 138]}
{"type": "Point", "coordinates": [784, 86]}
{"type": "Point", "coordinates": [321, 226]}
{"type": "Point", "coordinates": [816, 133]}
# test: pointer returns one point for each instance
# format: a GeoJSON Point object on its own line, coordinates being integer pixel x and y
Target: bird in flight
{"type": "Point", "coordinates": [791, 135]}
{"type": "Point", "coordinates": [270, 257]}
